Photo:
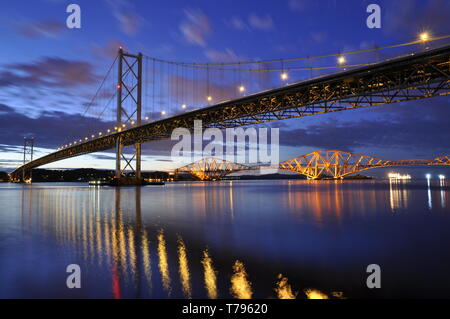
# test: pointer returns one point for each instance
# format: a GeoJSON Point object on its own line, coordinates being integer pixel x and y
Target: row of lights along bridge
{"type": "Point", "coordinates": [341, 60]}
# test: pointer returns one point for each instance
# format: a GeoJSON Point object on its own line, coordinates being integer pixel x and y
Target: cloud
{"type": "Point", "coordinates": [196, 27]}
{"type": "Point", "coordinates": [129, 20]}
{"type": "Point", "coordinates": [103, 157]}
{"type": "Point", "coordinates": [226, 56]}
{"type": "Point", "coordinates": [48, 28]}
{"type": "Point", "coordinates": [261, 22]}
{"type": "Point", "coordinates": [416, 127]}
{"type": "Point", "coordinates": [254, 22]}
{"type": "Point", "coordinates": [9, 148]}
{"type": "Point", "coordinates": [109, 50]}
{"type": "Point", "coordinates": [50, 72]}
{"type": "Point", "coordinates": [238, 24]}
{"type": "Point", "coordinates": [51, 129]}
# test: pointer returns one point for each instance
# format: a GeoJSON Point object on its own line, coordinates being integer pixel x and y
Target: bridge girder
{"type": "Point", "coordinates": [211, 168]}
{"type": "Point", "coordinates": [412, 77]}
{"type": "Point", "coordinates": [338, 164]}
{"type": "Point", "coordinates": [332, 163]}
{"type": "Point", "coordinates": [443, 160]}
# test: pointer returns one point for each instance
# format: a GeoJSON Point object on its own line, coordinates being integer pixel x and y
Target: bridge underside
{"type": "Point", "coordinates": [413, 77]}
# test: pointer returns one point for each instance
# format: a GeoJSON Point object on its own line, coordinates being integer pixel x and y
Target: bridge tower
{"type": "Point", "coordinates": [129, 112]}
{"type": "Point", "coordinates": [28, 148]}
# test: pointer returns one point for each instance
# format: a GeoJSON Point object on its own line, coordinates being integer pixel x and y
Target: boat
{"type": "Point", "coordinates": [154, 183]}
{"type": "Point", "coordinates": [98, 183]}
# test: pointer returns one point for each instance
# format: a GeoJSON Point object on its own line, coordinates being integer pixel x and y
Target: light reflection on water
{"type": "Point", "coordinates": [289, 239]}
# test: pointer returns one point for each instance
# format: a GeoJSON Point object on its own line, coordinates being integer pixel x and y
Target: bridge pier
{"type": "Point", "coordinates": [129, 88]}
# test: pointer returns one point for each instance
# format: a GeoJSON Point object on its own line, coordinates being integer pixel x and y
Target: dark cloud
{"type": "Point", "coordinates": [50, 129]}
{"type": "Point", "coordinates": [417, 127]}
{"type": "Point", "coordinates": [10, 149]}
{"type": "Point", "coordinates": [49, 72]}
{"type": "Point", "coordinates": [103, 157]}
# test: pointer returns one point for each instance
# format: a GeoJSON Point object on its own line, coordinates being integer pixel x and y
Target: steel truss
{"type": "Point", "coordinates": [211, 168]}
{"type": "Point", "coordinates": [338, 164]}
{"type": "Point", "coordinates": [28, 149]}
{"type": "Point", "coordinates": [129, 88]}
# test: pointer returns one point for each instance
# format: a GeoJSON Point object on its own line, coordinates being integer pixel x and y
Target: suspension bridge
{"type": "Point", "coordinates": [140, 116]}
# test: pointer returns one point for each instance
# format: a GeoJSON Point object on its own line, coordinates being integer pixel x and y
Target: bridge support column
{"type": "Point", "coordinates": [118, 157]}
{"type": "Point", "coordinates": [129, 88]}
{"type": "Point", "coordinates": [28, 148]}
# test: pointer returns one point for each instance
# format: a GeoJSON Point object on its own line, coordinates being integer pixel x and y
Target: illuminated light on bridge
{"type": "Point", "coordinates": [441, 177]}
{"type": "Point", "coordinates": [341, 60]}
{"type": "Point", "coordinates": [209, 98]}
{"type": "Point", "coordinates": [183, 106]}
{"type": "Point", "coordinates": [284, 76]}
{"type": "Point", "coordinates": [241, 88]}
{"type": "Point", "coordinates": [424, 36]}
{"type": "Point", "coordinates": [163, 112]}
{"type": "Point", "coordinates": [211, 168]}
{"type": "Point", "coordinates": [338, 164]}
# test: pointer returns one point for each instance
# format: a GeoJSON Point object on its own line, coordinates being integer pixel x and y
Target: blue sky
{"type": "Point", "coordinates": [48, 73]}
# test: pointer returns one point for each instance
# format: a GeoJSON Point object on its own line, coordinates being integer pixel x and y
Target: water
{"type": "Point", "coordinates": [240, 239]}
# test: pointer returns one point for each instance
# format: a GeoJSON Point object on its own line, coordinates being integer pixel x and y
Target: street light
{"type": "Point", "coordinates": [424, 36]}
{"type": "Point", "coordinates": [284, 76]}
{"type": "Point", "coordinates": [341, 60]}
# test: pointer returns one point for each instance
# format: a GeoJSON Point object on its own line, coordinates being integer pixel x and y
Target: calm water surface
{"type": "Point", "coordinates": [240, 239]}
